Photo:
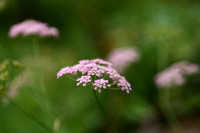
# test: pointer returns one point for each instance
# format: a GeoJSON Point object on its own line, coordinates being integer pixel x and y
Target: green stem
{"type": "Point", "coordinates": [32, 117]}
{"type": "Point", "coordinates": [101, 108]}
{"type": "Point", "coordinates": [71, 78]}
{"type": "Point", "coordinates": [37, 59]}
{"type": "Point", "coordinates": [42, 91]}
{"type": "Point", "coordinates": [169, 113]}
{"type": "Point", "coordinates": [113, 88]}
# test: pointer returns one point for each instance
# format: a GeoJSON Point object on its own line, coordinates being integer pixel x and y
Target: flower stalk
{"type": "Point", "coordinates": [42, 94]}
{"type": "Point", "coordinates": [168, 112]}
{"type": "Point", "coordinates": [32, 117]}
{"type": "Point", "coordinates": [103, 113]}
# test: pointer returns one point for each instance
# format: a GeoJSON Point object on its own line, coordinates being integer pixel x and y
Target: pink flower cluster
{"type": "Point", "coordinates": [84, 80]}
{"type": "Point", "coordinates": [122, 58]}
{"type": "Point", "coordinates": [33, 27]}
{"type": "Point", "coordinates": [99, 83]}
{"type": "Point", "coordinates": [98, 73]}
{"type": "Point", "coordinates": [174, 75]}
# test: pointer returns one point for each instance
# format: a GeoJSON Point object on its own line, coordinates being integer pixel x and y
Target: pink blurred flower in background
{"type": "Point", "coordinates": [122, 58]}
{"type": "Point", "coordinates": [33, 27]}
{"type": "Point", "coordinates": [97, 73]}
{"type": "Point", "coordinates": [174, 75]}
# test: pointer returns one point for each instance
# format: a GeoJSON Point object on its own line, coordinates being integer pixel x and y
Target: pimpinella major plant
{"type": "Point", "coordinates": [34, 31]}
{"type": "Point", "coordinates": [98, 75]}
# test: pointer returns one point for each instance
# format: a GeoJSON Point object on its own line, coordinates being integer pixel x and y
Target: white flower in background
{"type": "Point", "coordinates": [122, 58]}
{"type": "Point", "coordinates": [174, 75]}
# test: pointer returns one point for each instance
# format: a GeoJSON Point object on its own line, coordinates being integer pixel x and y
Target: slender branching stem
{"type": "Point", "coordinates": [37, 59]}
{"type": "Point", "coordinates": [99, 104]}
{"type": "Point", "coordinates": [71, 78]}
{"type": "Point", "coordinates": [101, 108]}
{"type": "Point", "coordinates": [32, 117]}
{"type": "Point", "coordinates": [42, 91]}
{"type": "Point", "coordinates": [109, 88]}
{"type": "Point", "coordinates": [168, 111]}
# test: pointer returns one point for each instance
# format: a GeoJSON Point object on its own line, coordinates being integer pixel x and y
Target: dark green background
{"type": "Point", "coordinates": [164, 31]}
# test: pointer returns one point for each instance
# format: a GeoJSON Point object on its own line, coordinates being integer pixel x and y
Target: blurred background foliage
{"type": "Point", "coordinates": [164, 32]}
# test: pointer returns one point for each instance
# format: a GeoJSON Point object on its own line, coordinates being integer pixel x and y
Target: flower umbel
{"type": "Point", "coordinates": [174, 75]}
{"type": "Point", "coordinates": [98, 73]}
{"type": "Point", "coordinates": [122, 58]}
{"type": "Point", "coordinates": [33, 27]}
